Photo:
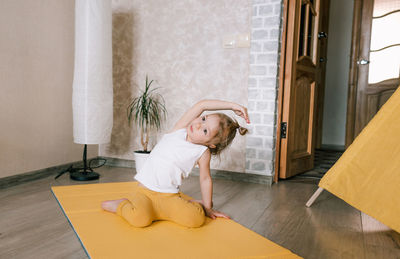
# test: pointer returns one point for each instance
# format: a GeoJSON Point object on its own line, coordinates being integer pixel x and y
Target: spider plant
{"type": "Point", "coordinates": [147, 111]}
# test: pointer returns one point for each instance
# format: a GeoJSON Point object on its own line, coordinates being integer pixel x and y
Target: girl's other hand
{"type": "Point", "coordinates": [215, 214]}
{"type": "Point", "coordinates": [242, 112]}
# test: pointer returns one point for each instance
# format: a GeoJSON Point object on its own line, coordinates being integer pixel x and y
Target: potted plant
{"type": "Point", "coordinates": [147, 111]}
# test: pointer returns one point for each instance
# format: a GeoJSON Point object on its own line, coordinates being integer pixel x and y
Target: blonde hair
{"type": "Point", "coordinates": [226, 133]}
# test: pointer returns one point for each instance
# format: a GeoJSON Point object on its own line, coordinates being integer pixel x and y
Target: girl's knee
{"type": "Point", "coordinates": [135, 215]}
{"type": "Point", "coordinates": [195, 221]}
{"type": "Point", "coordinates": [140, 221]}
{"type": "Point", "coordinates": [195, 217]}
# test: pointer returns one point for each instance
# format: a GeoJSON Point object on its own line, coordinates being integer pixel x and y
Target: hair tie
{"type": "Point", "coordinates": [242, 131]}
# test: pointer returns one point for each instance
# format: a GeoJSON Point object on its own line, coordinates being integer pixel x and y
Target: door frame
{"type": "Point", "coordinates": [282, 64]}
{"type": "Point", "coordinates": [353, 70]}
{"type": "Point", "coordinates": [352, 81]}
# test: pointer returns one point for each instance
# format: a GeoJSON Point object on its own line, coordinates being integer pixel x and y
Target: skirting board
{"type": "Point", "coordinates": [13, 180]}
{"type": "Point", "coordinates": [216, 174]}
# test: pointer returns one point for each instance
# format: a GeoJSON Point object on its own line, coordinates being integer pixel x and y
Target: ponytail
{"type": "Point", "coordinates": [227, 132]}
{"type": "Point", "coordinates": [242, 130]}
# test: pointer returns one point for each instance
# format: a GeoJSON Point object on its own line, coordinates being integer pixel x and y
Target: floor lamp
{"type": "Point", "coordinates": [92, 95]}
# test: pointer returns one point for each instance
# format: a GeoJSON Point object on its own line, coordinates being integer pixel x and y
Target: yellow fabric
{"type": "Point", "coordinates": [105, 235]}
{"type": "Point", "coordinates": [145, 206]}
{"type": "Point", "coordinates": [367, 176]}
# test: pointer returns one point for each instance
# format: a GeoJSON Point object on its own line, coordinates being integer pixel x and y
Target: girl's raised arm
{"type": "Point", "coordinates": [210, 105]}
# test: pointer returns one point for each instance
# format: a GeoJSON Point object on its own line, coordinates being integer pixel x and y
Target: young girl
{"type": "Point", "coordinates": [193, 140]}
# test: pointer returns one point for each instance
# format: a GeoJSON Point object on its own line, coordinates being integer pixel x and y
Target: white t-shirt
{"type": "Point", "coordinates": [171, 160]}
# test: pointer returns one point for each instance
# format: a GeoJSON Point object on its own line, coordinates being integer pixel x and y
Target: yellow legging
{"type": "Point", "coordinates": [146, 206]}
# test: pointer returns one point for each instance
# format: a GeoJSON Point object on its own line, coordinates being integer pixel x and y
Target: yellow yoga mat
{"type": "Point", "coordinates": [367, 176]}
{"type": "Point", "coordinates": [106, 235]}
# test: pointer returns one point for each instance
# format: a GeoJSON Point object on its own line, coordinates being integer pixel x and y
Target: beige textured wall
{"type": "Point", "coordinates": [179, 44]}
{"type": "Point", "coordinates": [36, 68]}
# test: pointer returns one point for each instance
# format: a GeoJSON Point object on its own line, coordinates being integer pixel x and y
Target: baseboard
{"type": "Point", "coordinates": [13, 180]}
{"type": "Point", "coordinates": [216, 174]}
{"type": "Point", "coordinates": [238, 177]}
{"type": "Point", "coordinates": [118, 162]}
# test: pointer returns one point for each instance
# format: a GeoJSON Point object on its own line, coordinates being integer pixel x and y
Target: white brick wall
{"type": "Point", "coordinates": [263, 85]}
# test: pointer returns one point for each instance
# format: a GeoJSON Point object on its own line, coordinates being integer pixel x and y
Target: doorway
{"type": "Point", "coordinates": [330, 143]}
{"type": "Point", "coordinates": [333, 129]}
{"type": "Point", "coordinates": [350, 98]}
{"type": "Point", "coordinates": [302, 70]}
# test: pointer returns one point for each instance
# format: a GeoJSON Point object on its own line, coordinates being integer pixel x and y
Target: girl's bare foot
{"type": "Point", "coordinates": [111, 205]}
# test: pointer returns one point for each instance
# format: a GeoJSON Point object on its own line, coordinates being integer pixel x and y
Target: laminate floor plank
{"type": "Point", "coordinates": [336, 229]}
{"type": "Point", "coordinates": [35, 227]}
{"type": "Point", "coordinates": [318, 229]}
{"type": "Point", "coordinates": [247, 204]}
{"type": "Point", "coordinates": [285, 215]}
{"type": "Point", "coordinates": [380, 240]}
{"type": "Point", "coordinates": [224, 191]}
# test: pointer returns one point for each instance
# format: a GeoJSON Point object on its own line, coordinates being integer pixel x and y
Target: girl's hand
{"type": "Point", "coordinates": [215, 214]}
{"type": "Point", "coordinates": [241, 111]}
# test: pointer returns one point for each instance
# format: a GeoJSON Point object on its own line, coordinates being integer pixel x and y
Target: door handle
{"type": "Point", "coordinates": [322, 34]}
{"type": "Point", "coordinates": [363, 62]}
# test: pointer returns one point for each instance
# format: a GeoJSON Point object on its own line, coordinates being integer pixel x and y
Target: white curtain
{"type": "Point", "coordinates": [92, 97]}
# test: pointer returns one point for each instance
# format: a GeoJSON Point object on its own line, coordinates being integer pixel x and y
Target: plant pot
{"type": "Point", "coordinates": [140, 159]}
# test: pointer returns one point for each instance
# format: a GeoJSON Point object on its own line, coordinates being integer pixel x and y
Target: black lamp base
{"type": "Point", "coordinates": [84, 176]}
{"type": "Point", "coordinates": [81, 174]}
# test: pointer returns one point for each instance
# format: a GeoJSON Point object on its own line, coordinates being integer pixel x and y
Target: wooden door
{"type": "Point", "coordinates": [300, 75]}
{"type": "Point", "coordinates": [377, 61]}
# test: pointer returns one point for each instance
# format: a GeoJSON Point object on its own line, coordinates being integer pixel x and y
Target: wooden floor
{"type": "Point", "coordinates": [33, 226]}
